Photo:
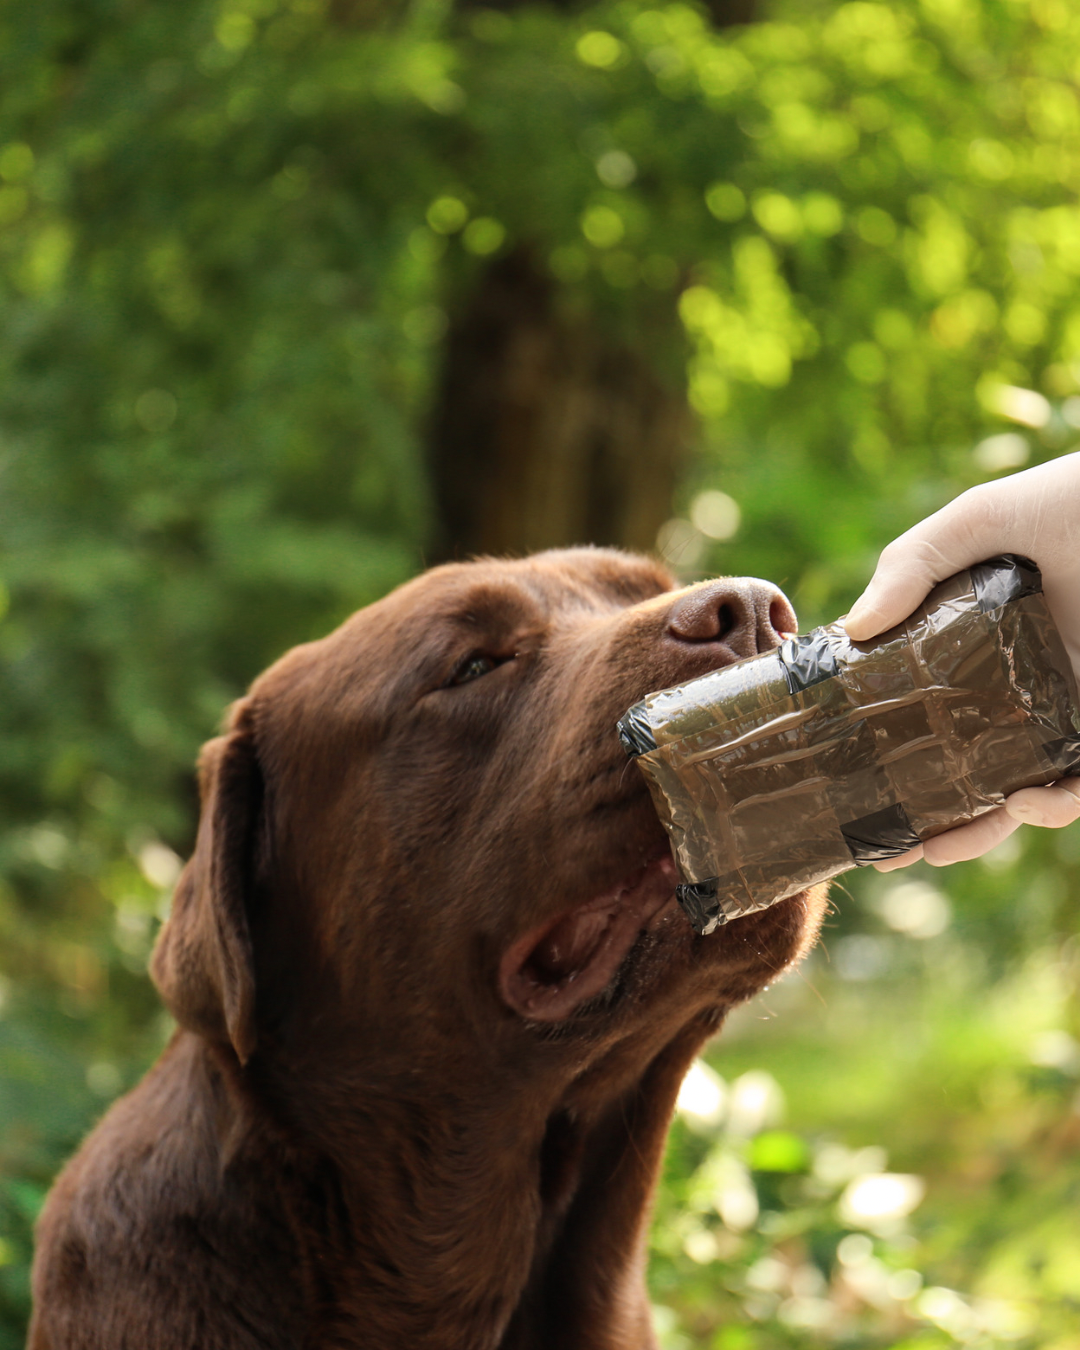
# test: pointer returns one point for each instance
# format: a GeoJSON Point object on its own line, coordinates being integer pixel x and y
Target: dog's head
{"type": "Point", "coordinates": [422, 829]}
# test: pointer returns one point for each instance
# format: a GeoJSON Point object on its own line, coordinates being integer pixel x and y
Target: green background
{"type": "Point", "coordinates": [233, 241]}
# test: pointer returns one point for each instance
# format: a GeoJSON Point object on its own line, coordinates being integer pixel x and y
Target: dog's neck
{"type": "Point", "coordinates": [586, 1285]}
{"type": "Point", "coordinates": [521, 1221]}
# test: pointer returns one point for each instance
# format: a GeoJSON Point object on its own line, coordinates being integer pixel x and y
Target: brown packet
{"type": "Point", "coordinates": [825, 754]}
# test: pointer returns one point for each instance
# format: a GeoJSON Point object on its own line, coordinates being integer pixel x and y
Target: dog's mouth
{"type": "Point", "coordinates": [556, 967]}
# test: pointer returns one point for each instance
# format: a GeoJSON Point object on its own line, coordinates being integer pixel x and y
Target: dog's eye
{"type": "Point", "coordinates": [473, 667]}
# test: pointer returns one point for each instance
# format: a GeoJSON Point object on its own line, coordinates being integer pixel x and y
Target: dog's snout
{"type": "Point", "coordinates": [741, 613]}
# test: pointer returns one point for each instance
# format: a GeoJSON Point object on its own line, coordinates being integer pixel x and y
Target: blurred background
{"type": "Point", "coordinates": [299, 296]}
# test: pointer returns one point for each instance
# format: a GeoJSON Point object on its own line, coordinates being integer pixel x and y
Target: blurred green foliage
{"type": "Point", "coordinates": [919, 1189]}
{"type": "Point", "coordinates": [231, 233]}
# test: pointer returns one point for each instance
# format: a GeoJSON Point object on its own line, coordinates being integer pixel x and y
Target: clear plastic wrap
{"type": "Point", "coordinates": [825, 754]}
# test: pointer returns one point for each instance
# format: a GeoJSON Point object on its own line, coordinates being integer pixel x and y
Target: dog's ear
{"type": "Point", "coordinates": [203, 962]}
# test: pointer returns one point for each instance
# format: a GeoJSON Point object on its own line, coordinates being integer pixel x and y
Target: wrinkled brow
{"type": "Point", "coordinates": [485, 618]}
{"type": "Point", "coordinates": [492, 611]}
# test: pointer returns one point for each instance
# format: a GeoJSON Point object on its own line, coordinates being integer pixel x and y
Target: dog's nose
{"type": "Point", "coordinates": [741, 613]}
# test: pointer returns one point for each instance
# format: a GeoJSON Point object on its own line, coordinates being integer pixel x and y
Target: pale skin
{"type": "Point", "coordinates": [1037, 514]}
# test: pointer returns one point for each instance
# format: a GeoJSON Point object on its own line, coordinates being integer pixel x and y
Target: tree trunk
{"type": "Point", "coordinates": [545, 431]}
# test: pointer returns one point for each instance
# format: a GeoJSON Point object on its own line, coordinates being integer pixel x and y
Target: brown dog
{"type": "Point", "coordinates": [435, 995]}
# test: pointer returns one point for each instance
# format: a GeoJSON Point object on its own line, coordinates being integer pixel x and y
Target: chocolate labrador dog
{"type": "Point", "coordinates": [435, 996]}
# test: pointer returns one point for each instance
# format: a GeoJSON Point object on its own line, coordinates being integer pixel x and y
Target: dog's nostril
{"type": "Point", "coordinates": [727, 621]}
{"type": "Point", "coordinates": [714, 612]}
{"type": "Point", "coordinates": [741, 614]}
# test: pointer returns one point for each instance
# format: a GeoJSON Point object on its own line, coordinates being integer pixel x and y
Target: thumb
{"type": "Point", "coordinates": [964, 532]}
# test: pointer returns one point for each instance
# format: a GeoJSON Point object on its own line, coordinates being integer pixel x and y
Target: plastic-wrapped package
{"type": "Point", "coordinates": [825, 754]}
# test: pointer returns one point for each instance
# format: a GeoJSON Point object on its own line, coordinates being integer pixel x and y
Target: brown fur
{"type": "Point", "coordinates": [397, 1112]}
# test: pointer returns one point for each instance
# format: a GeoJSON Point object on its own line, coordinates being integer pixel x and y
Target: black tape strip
{"type": "Point", "coordinates": [699, 900]}
{"type": "Point", "coordinates": [1064, 754]}
{"type": "Point", "coordinates": [1008, 577]}
{"type": "Point", "coordinates": [635, 732]}
{"type": "Point", "coordinates": [883, 834]}
{"type": "Point", "coordinates": [808, 660]}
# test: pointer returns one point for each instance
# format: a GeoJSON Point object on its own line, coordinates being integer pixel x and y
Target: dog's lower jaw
{"type": "Point", "coordinates": [553, 969]}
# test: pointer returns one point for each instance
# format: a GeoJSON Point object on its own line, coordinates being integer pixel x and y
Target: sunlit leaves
{"type": "Point", "coordinates": [600, 49]}
{"type": "Point", "coordinates": [602, 226]}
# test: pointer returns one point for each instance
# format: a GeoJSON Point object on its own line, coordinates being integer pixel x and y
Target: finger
{"type": "Point", "coordinates": [1053, 807]}
{"type": "Point", "coordinates": [964, 532]}
{"type": "Point", "coordinates": [902, 860]}
{"type": "Point", "coordinates": [906, 572]}
{"type": "Point", "coordinates": [971, 840]}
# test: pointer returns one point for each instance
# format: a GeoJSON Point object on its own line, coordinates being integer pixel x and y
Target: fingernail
{"type": "Point", "coordinates": [864, 619]}
{"type": "Point", "coordinates": [1030, 815]}
{"type": "Point", "coordinates": [858, 614]}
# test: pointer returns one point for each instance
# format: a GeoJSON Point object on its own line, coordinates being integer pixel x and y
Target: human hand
{"type": "Point", "coordinates": [1036, 514]}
